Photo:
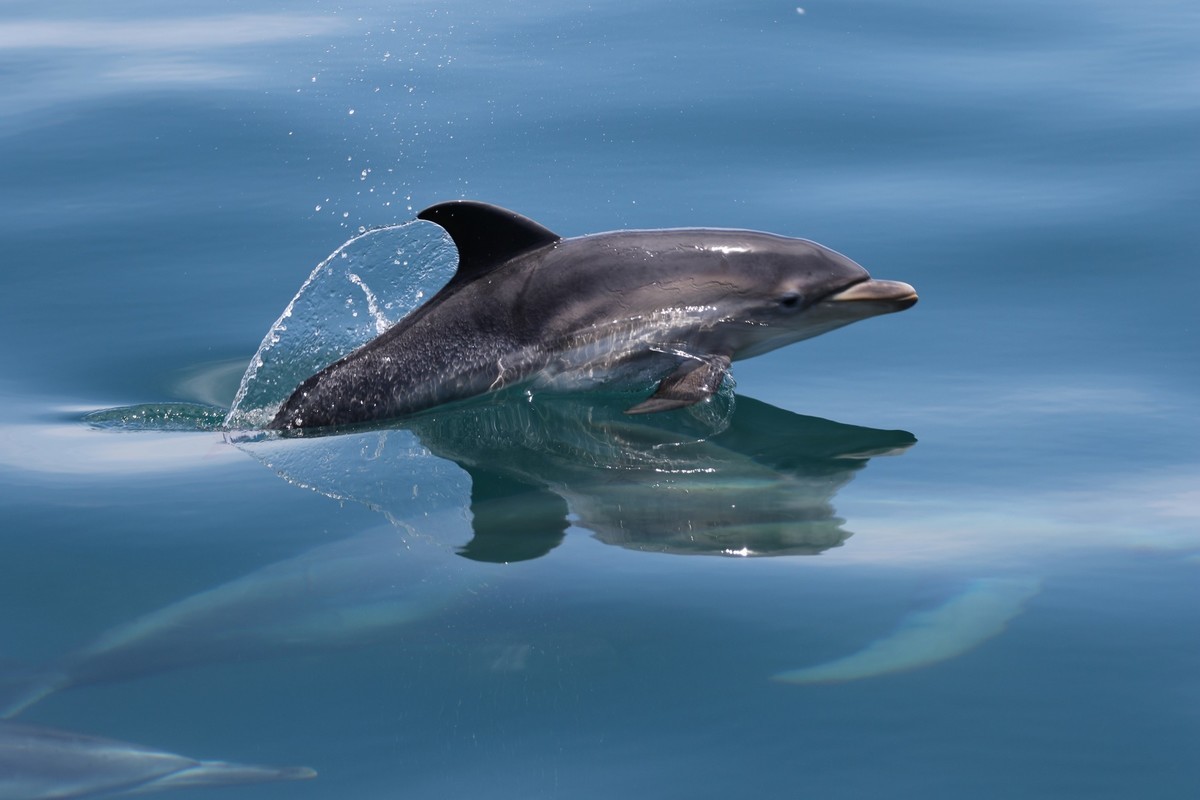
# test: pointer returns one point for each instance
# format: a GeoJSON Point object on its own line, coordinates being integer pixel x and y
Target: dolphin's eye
{"type": "Point", "coordinates": [789, 300]}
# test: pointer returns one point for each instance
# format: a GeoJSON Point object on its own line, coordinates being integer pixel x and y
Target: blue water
{"type": "Point", "coordinates": [171, 177]}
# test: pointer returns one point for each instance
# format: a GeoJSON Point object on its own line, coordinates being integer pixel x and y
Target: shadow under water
{"type": "Point", "coordinates": [754, 480]}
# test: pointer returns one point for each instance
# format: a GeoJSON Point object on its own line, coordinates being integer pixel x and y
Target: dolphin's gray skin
{"type": "Point", "coordinates": [672, 306]}
{"type": "Point", "coordinates": [38, 763]}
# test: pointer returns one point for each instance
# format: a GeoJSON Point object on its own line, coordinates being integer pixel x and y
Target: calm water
{"type": "Point", "coordinates": [993, 498]}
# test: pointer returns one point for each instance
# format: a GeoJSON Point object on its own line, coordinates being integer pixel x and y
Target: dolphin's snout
{"type": "Point", "coordinates": [896, 295]}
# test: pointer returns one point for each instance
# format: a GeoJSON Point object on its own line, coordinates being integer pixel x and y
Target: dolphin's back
{"type": "Point", "coordinates": [479, 334]}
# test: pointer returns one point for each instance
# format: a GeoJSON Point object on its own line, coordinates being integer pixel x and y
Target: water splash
{"type": "Point", "coordinates": [358, 292]}
{"type": "Point", "coordinates": [362, 289]}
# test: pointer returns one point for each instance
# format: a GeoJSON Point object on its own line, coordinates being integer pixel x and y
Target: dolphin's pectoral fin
{"type": "Point", "coordinates": [512, 520]}
{"type": "Point", "coordinates": [693, 381]}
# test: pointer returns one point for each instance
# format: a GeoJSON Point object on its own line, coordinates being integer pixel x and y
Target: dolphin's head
{"type": "Point", "coordinates": [782, 290]}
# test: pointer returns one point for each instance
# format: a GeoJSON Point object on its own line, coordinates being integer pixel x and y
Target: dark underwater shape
{"type": "Point", "coordinates": [39, 763]}
{"type": "Point", "coordinates": [627, 308]}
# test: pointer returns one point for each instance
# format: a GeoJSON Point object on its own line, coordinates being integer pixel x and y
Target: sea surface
{"type": "Point", "coordinates": [948, 553]}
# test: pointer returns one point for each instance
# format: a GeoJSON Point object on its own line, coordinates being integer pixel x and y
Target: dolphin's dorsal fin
{"type": "Point", "coordinates": [486, 235]}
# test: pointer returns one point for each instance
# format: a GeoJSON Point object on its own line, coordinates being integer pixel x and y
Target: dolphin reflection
{"type": "Point", "coordinates": [758, 481]}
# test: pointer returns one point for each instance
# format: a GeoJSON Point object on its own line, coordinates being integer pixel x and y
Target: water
{"type": "Point", "coordinates": [1032, 560]}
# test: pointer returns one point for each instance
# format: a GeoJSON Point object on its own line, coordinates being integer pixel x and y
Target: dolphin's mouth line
{"type": "Point", "coordinates": [833, 294]}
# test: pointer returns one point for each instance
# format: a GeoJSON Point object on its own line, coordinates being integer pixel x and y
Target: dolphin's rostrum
{"type": "Point", "coordinates": [674, 307]}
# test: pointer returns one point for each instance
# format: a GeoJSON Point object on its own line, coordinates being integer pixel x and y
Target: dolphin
{"type": "Point", "coordinates": [40, 763]}
{"type": "Point", "coordinates": [965, 621]}
{"type": "Point", "coordinates": [354, 591]}
{"type": "Point", "coordinates": [526, 306]}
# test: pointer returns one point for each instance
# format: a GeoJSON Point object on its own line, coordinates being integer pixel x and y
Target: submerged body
{"type": "Point", "coordinates": [673, 306]}
{"type": "Point", "coordinates": [38, 763]}
{"type": "Point", "coordinates": [354, 591]}
{"type": "Point", "coordinates": [923, 638]}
